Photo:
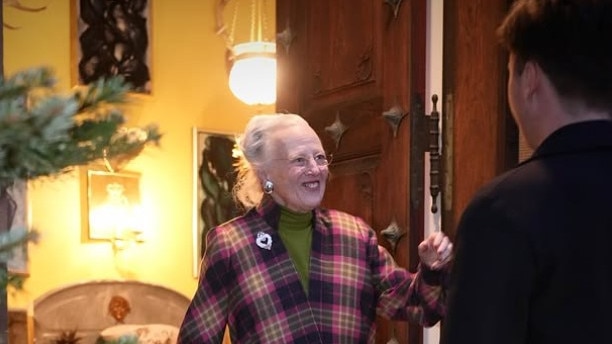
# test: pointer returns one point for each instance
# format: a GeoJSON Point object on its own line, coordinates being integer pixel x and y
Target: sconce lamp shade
{"type": "Point", "coordinates": [252, 78]}
{"type": "Point", "coordinates": [116, 218]}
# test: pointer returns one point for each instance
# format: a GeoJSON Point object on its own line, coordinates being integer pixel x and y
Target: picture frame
{"type": "Point", "coordinates": [18, 262]}
{"type": "Point", "coordinates": [103, 194]}
{"type": "Point", "coordinates": [214, 176]}
{"type": "Point", "coordinates": [110, 38]}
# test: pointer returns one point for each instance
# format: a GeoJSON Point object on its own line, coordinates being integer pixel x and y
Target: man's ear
{"type": "Point", "coordinates": [531, 78]}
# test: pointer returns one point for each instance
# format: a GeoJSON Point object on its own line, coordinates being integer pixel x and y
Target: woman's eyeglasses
{"type": "Point", "coordinates": [319, 160]}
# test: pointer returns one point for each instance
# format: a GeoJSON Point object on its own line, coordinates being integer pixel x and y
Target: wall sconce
{"type": "Point", "coordinates": [252, 75]}
{"type": "Point", "coordinates": [113, 208]}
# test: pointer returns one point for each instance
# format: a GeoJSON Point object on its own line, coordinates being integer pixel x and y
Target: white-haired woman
{"type": "Point", "coordinates": [289, 271]}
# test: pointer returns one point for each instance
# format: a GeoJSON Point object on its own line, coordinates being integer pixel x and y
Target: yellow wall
{"type": "Point", "coordinates": [189, 90]}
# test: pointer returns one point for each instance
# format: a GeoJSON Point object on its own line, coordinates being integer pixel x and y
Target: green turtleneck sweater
{"type": "Point", "coordinates": [295, 229]}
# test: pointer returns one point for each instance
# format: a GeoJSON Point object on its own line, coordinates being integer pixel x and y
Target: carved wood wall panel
{"type": "Point", "coordinates": [343, 53]}
{"type": "Point", "coordinates": [363, 128]}
{"type": "Point", "coordinates": [355, 178]}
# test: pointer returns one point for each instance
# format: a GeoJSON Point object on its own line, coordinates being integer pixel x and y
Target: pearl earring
{"type": "Point", "coordinates": [268, 187]}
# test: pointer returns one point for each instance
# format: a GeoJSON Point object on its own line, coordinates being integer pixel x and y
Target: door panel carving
{"type": "Point", "coordinates": [355, 179]}
{"type": "Point", "coordinates": [361, 128]}
{"type": "Point", "coordinates": [340, 47]}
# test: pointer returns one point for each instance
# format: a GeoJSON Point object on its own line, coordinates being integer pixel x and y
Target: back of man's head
{"type": "Point", "coordinates": [571, 40]}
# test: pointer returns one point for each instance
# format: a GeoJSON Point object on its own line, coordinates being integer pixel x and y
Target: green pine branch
{"type": "Point", "coordinates": [44, 132]}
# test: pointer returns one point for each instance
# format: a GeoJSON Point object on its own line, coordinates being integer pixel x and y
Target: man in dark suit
{"type": "Point", "coordinates": [534, 259]}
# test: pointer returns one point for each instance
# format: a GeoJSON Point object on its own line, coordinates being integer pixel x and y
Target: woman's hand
{"type": "Point", "coordinates": [436, 251]}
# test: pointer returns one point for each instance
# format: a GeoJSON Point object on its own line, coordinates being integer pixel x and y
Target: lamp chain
{"type": "Point", "coordinates": [264, 18]}
{"type": "Point", "coordinates": [254, 20]}
{"type": "Point", "coordinates": [233, 25]}
{"type": "Point", "coordinates": [259, 21]}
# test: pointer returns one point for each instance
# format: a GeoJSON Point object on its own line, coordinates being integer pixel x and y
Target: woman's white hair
{"type": "Point", "coordinates": [254, 145]}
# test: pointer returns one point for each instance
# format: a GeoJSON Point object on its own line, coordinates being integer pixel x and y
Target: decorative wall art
{"type": "Point", "coordinates": [112, 204]}
{"type": "Point", "coordinates": [112, 37]}
{"type": "Point", "coordinates": [214, 177]}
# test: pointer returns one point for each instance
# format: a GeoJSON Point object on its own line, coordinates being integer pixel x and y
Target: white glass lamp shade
{"type": "Point", "coordinates": [252, 78]}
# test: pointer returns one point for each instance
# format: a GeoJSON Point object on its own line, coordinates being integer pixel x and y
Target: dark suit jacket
{"type": "Point", "coordinates": [534, 248]}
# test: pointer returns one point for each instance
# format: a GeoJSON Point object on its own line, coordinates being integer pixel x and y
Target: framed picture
{"type": "Point", "coordinates": [112, 204]}
{"type": "Point", "coordinates": [214, 178]}
{"type": "Point", "coordinates": [109, 38]}
{"type": "Point", "coordinates": [18, 262]}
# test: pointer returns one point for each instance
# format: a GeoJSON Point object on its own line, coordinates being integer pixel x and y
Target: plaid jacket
{"type": "Point", "coordinates": [249, 283]}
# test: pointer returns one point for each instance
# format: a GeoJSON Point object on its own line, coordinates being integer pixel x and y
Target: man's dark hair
{"type": "Point", "coordinates": [571, 40]}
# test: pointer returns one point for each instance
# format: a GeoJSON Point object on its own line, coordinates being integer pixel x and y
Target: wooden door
{"type": "Point", "coordinates": [481, 138]}
{"type": "Point", "coordinates": [355, 69]}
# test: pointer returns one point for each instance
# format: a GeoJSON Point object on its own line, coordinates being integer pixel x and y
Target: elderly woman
{"type": "Point", "coordinates": [289, 271]}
